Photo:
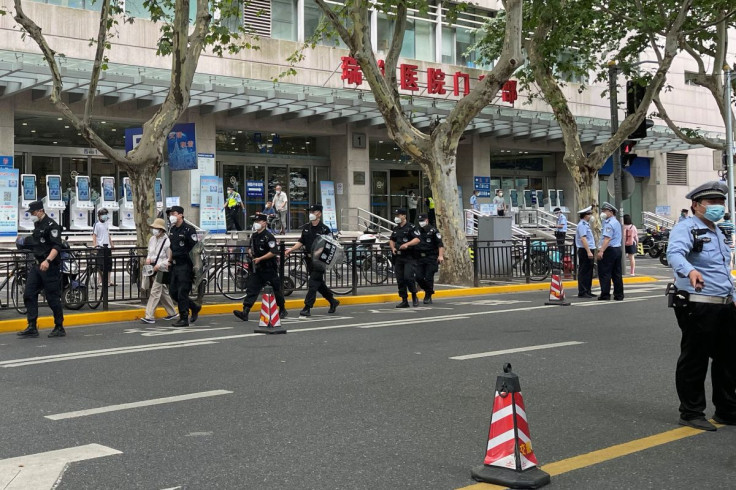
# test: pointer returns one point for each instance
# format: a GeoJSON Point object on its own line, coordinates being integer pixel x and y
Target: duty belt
{"type": "Point", "coordinates": [715, 300]}
{"type": "Point", "coordinates": [427, 254]}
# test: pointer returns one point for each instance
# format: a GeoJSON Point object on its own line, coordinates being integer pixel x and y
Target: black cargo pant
{"type": "Point", "coordinates": [182, 277]}
{"type": "Point", "coordinates": [585, 271]}
{"type": "Point", "coordinates": [404, 268]}
{"type": "Point", "coordinates": [707, 333]}
{"type": "Point", "coordinates": [609, 268]}
{"type": "Point", "coordinates": [257, 280]}
{"type": "Point", "coordinates": [425, 270]}
{"type": "Point", "coordinates": [50, 283]}
{"type": "Point", "coordinates": [315, 284]}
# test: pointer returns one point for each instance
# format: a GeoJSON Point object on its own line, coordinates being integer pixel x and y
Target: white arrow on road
{"type": "Point", "coordinates": [44, 470]}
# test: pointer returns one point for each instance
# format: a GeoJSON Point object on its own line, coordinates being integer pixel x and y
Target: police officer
{"type": "Point", "coordinates": [316, 282]}
{"type": "Point", "coordinates": [183, 237]}
{"type": "Point", "coordinates": [585, 245]}
{"type": "Point", "coordinates": [705, 309]}
{"type": "Point", "coordinates": [402, 241]}
{"type": "Point", "coordinates": [233, 206]}
{"type": "Point", "coordinates": [609, 255]}
{"type": "Point", "coordinates": [430, 253]}
{"type": "Point", "coordinates": [264, 252]}
{"type": "Point", "coordinates": [560, 230]}
{"type": "Point", "coordinates": [45, 245]}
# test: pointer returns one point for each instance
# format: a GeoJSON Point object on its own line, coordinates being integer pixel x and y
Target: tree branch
{"type": "Point", "coordinates": [97, 64]}
{"type": "Point", "coordinates": [397, 41]}
{"type": "Point", "coordinates": [693, 140]}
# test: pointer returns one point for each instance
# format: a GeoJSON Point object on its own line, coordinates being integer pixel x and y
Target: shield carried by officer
{"type": "Point", "coordinates": [327, 253]}
{"type": "Point", "coordinates": [198, 263]}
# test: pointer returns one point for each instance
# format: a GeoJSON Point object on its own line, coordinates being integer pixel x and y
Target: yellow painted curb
{"type": "Point", "coordinates": [223, 308]}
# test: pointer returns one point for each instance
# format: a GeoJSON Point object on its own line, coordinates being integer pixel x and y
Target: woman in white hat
{"type": "Point", "coordinates": [159, 254]}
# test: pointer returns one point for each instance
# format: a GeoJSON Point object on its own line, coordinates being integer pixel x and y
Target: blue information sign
{"type": "Point", "coordinates": [483, 185]}
{"type": "Point", "coordinates": [254, 189]}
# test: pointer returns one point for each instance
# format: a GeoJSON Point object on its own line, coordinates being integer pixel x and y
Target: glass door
{"type": "Point", "coordinates": [379, 193]}
{"type": "Point", "coordinates": [253, 204]}
{"type": "Point", "coordinates": [299, 196]}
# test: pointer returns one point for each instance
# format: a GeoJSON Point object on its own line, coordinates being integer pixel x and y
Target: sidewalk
{"type": "Point", "coordinates": [12, 321]}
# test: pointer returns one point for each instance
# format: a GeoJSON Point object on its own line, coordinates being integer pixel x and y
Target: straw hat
{"type": "Point", "coordinates": [159, 223]}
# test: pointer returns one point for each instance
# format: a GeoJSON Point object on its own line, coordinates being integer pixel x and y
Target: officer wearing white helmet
{"type": "Point", "coordinates": [703, 298]}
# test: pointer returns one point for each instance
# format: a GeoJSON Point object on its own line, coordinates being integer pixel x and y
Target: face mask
{"type": "Point", "coordinates": [278, 192]}
{"type": "Point", "coordinates": [257, 226]}
{"type": "Point", "coordinates": [34, 218]}
{"type": "Point", "coordinates": [604, 216]}
{"type": "Point", "coordinates": [104, 218]}
{"type": "Point", "coordinates": [172, 220]}
{"type": "Point", "coordinates": [500, 194]}
{"type": "Point", "coordinates": [312, 217]}
{"type": "Point", "coordinates": [714, 212]}
{"type": "Point", "coordinates": [397, 220]}
{"type": "Point", "coordinates": [156, 232]}
{"type": "Point", "coordinates": [423, 223]}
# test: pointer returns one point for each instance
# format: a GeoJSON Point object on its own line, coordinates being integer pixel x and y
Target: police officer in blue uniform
{"type": "Point", "coordinates": [705, 308]}
{"type": "Point", "coordinates": [183, 237]}
{"type": "Point", "coordinates": [404, 237]}
{"type": "Point", "coordinates": [430, 253]}
{"type": "Point", "coordinates": [561, 230]}
{"type": "Point", "coordinates": [45, 244]}
{"type": "Point", "coordinates": [264, 252]}
{"type": "Point", "coordinates": [609, 255]}
{"type": "Point", "coordinates": [585, 245]}
{"type": "Point", "coordinates": [316, 282]}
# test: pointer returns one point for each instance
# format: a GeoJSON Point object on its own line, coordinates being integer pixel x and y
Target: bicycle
{"type": "Point", "coordinates": [376, 266]}
{"type": "Point", "coordinates": [230, 276]}
{"type": "Point", "coordinates": [298, 276]}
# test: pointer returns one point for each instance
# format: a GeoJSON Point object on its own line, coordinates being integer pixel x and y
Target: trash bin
{"type": "Point", "coordinates": [495, 246]}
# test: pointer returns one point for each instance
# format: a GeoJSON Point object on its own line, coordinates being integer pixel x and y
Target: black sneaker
{"type": "Point", "coordinates": [195, 313]}
{"type": "Point", "coordinates": [243, 315]}
{"type": "Point", "coordinates": [724, 420]}
{"type": "Point", "coordinates": [283, 313]}
{"type": "Point", "coordinates": [333, 306]}
{"type": "Point", "coordinates": [180, 323]}
{"type": "Point", "coordinates": [403, 304]}
{"type": "Point", "coordinates": [58, 332]}
{"type": "Point", "coordinates": [29, 332]}
{"type": "Point", "coordinates": [427, 299]}
{"type": "Point", "coordinates": [305, 312]}
{"type": "Point", "coordinates": [699, 423]}
{"type": "Point", "coordinates": [414, 300]}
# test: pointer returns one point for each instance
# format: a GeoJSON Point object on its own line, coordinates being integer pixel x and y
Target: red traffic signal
{"type": "Point", "coordinates": [627, 154]}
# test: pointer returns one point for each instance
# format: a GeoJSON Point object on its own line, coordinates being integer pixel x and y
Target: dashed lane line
{"type": "Point", "coordinates": [515, 350]}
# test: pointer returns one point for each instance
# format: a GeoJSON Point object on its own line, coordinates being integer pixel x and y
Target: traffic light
{"type": "Point", "coordinates": [627, 153]}
{"type": "Point", "coordinates": [634, 95]}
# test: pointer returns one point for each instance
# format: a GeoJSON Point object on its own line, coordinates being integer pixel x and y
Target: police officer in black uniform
{"type": "Point", "coordinates": [430, 253]}
{"type": "Point", "coordinates": [45, 244]}
{"type": "Point", "coordinates": [316, 282]}
{"type": "Point", "coordinates": [403, 240]}
{"type": "Point", "coordinates": [264, 252]}
{"type": "Point", "coordinates": [183, 237]}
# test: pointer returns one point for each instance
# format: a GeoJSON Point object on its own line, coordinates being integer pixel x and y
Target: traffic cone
{"type": "Point", "coordinates": [556, 291]}
{"type": "Point", "coordinates": [510, 460]}
{"type": "Point", "coordinates": [270, 320]}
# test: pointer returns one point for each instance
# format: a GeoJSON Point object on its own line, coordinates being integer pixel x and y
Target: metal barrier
{"type": "Point", "coordinates": [528, 259]}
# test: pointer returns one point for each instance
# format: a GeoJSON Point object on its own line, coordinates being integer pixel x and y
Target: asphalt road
{"type": "Point", "coordinates": [368, 398]}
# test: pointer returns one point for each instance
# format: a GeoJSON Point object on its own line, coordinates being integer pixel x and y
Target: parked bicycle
{"type": "Point", "coordinates": [230, 275]}
{"type": "Point", "coordinates": [296, 276]}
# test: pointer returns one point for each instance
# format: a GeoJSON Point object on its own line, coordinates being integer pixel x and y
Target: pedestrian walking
{"type": "Point", "coordinates": [500, 203]}
{"type": "Point", "coordinates": [233, 209]}
{"type": "Point", "coordinates": [183, 237]}
{"type": "Point", "coordinates": [631, 240]}
{"type": "Point", "coordinates": [412, 202]}
{"type": "Point", "coordinates": [431, 211]}
{"type": "Point", "coordinates": [45, 275]}
{"type": "Point", "coordinates": [281, 203]}
{"type": "Point", "coordinates": [560, 230]}
{"type": "Point", "coordinates": [316, 282]}
{"type": "Point", "coordinates": [585, 244]}
{"type": "Point", "coordinates": [159, 255]}
{"type": "Point", "coordinates": [101, 238]}
{"type": "Point", "coordinates": [404, 237]}
{"type": "Point", "coordinates": [430, 253]}
{"type": "Point", "coordinates": [704, 302]}
{"type": "Point", "coordinates": [609, 255]}
{"type": "Point", "coordinates": [474, 205]}
{"type": "Point", "coordinates": [264, 253]}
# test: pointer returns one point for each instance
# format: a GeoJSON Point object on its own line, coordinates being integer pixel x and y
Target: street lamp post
{"type": "Point", "coordinates": [617, 191]}
{"type": "Point", "coordinates": [729, 141]}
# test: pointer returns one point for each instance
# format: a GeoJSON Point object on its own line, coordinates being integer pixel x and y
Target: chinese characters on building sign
{"type": "Point", "coordinates": [436, 79]}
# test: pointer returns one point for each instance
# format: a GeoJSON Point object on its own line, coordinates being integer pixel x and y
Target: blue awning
{"type": "Point", "coordinates": [640, 167]}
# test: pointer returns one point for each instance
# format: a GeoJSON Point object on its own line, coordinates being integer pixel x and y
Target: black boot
{"type": "Point", "coordinates": [305, 312]}
{"type": "Point", "coordinates": [182, 322]}
{"type": "Point", "coordinates": [195, 313]}
{"type": "Point", "coordinates": [403, 304]}
{"type": "Point", "coordinates": [243, 315]}
{"type": "Point", "coordinates": [58, 331]}
{"type": "Point", "coordinates": [30, 331]}
{"type": "Point", "coordinates": [427, 299]}
{"type": "Point", "coordinates": [414, 299]}
{"type": "Point", "coordinates": [333, 306]}
{"type": "Point", "coordinates": [283, 313]}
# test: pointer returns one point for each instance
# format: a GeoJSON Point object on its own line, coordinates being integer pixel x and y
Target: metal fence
{"type": "Point", "coordinates": [94, 278]}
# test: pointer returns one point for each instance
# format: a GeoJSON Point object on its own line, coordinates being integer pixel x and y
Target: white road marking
{"type": "Point", "coordinates": [144, 403]}
{"type": "Point", "coordinates": [512, 351]}
{"type": "Point", "coordinates": [393, 310]}
{"type": "Point", "coordinates": [489, 302]}
{"type": "Point", "coordinates": [43, 471]}
{"type": "Point", "coordinates": [156, 331]}
{"type": "Point", "coordinates": [626, 300]}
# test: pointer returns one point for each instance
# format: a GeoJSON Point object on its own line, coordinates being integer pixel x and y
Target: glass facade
{"type": "Point", "coordinates": [284, 19]}
{"type": "Point", "coordinates": [239, 141]}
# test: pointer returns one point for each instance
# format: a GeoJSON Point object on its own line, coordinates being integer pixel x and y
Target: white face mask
{"type": "Point", "coordinates": [278, 191]}
{"type": "Point", "coordinates": [312, 217]}
{"type": "Point", "coordinates": [172, 220]}
{"type": "Point", "coordinates": [34, 218]}
{"type": "Point", "coordinates": [104, 218]}
{"type": "Point", "coordinates": [423, 223]}
{"type": "Point", "coordinates": [604, 216]}
{"type": "Point", "coordinates": [257, 226]}
{"type": "Point", "coordinates": [155, 231]}
{"type": "Point", "coordinates": [397, 220]}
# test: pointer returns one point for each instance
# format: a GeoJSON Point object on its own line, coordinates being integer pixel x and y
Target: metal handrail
{"type": "Point", "coordinates": [650, 219]}
{"type": "Point", "coordinates": [517, 232]}
{"type": "Point", "coordinates": [366, 219]}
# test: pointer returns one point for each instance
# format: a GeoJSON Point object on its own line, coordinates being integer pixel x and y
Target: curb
{"type": "Point", "coordinates": [93, 318]}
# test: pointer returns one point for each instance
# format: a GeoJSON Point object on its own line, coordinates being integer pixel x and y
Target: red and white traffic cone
{"type": "Point", "coordinates": [270, 320]}
{"type": "Point", "coordinates": [510, 459]}
{"type": "Point", "coordinates": [556, 291]}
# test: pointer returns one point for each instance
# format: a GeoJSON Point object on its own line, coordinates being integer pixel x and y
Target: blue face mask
{"type": "Point", "coordinates": [714, 212]}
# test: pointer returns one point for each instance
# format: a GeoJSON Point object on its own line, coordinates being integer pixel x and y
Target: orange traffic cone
{"type": "Point", "coordinates": [510, 460]}
{"type": "Point", "coordinates": [556, 291]}
{"type": "Point", "coordinates": [270, 320]}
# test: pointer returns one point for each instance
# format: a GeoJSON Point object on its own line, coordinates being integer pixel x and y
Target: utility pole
{"type": "Point", "coordinates": [729, 141]}
{"type": "Point", "coordinates": [617, 190]}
